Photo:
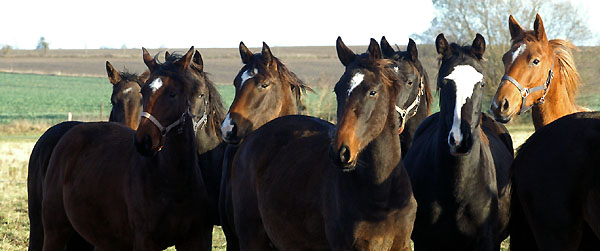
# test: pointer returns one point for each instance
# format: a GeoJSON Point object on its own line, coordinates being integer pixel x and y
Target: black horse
{"type": "Point", "coordinates": [459, 161]}
{"type": "Point", "coordinates": [417, 81]}
{"type": "Point", "coordinates": [556, 187]}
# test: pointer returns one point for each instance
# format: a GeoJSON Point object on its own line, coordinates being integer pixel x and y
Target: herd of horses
{"type": "Point", "coordinates": [172, 162]}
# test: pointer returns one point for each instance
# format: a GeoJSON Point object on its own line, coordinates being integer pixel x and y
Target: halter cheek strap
{"type": "Point", "coordinates": [526, 91]}
{"type": "Point", "coordinates": [415, 105]}
{"type": "Point", "coordinates": [165, 130]}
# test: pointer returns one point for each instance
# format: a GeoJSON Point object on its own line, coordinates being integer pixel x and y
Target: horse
{"type": "Point", "coordinates": [555, 191]}
{"type": "Point", "coordinates": [126, 104]}
{"type": "Point", "coordinates": [264, 90]}
{"type": "Point", "coordinates": [306, 191]}
{"type": "Point", "coordinates": [418, 81]}
{"type": "Point", "coordinates": [210, 145]}
{"type": "Point", "coordinates": [460, 160]}
{"type": "Point", "coordinates": [144, 195]}
{"type": "Point", "coordinates": [539, 75]}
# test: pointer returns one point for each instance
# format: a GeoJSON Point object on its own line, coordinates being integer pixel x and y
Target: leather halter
{"type": "Point", "coordinates": [414, 106]}
{"type": "Point", "coordinates": [526, 91]}
{"type": "Point", "coordinates": [165, 130]}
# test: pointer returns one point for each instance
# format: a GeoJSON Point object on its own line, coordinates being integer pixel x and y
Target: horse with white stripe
{"type": "Point", "coordinates": [459, 161]}
{"type": "Point", "coordinates": [264, 90]}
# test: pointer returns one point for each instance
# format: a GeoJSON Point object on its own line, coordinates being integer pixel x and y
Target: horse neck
{"type": "Point", "coordinates": [208, 136]}
{"type": "Point", "coordinates": [289, 106]}
{"type": "Point", "coordinates": [178, 160]}
{"type": "Point", "coordinates": [459, 167]}
{"type": "Point", "coordinates": [557, 102]}
{"type": "Point", "coordinates": [381, 156]}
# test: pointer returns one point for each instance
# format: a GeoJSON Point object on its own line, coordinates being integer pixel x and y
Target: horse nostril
{"type": "Point", "coordinates": [451, 140]}
{"type": "Point", "coordinates": [233, 132]}
{"type": "Point", "coordinates": [504, 105]}
{"type": "Point", "coordinates": [344, 154]}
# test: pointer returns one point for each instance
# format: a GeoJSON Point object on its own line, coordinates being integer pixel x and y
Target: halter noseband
{"type": "Point", "coordinates": [526, 91]}
{"type": "Point", "coordinates": [165, 130]}
{"type": "Point", "coordinates": [415, 104]}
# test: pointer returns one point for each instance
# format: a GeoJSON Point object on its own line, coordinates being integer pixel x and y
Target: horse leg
{"type": "Point", "coordinates": [200, 241]}
{"type": "Point", "coordinates": [226, 203]}
{"type": "Point", "coordinates": [249, 226]}
{"type": "Point", "coordinates": [402, 240]}
{"type": "Point", "coordinates": [521, 236]}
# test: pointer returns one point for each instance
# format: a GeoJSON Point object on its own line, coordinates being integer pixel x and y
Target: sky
{"type": "Point", "coordinates": [92, 24]}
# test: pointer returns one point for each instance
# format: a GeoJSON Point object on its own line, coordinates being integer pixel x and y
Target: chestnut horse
{"type": "Point", "coordinates": [556, 187]}
{"type": "Point", "coordinates": [306, 191]}
{"type": "Point", "coordinates": [538, 75]}
{"type": "Point", "coordinates": [264, 90]}
{"type": "Point", "coordinates": [416, 80]}
{"type": "Point", "coordinates": [459, 161]}
{"type": "Point", "coordinates": [144, 196]}
{"type": "Point", "coordinates": [126, 101]}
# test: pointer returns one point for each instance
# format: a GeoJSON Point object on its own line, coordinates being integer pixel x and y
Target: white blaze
{"type": "Point", "coordinates": [465, 77]}
{"type": "Point", "coordinates": [128, 90]}
{"type": "Point", "coordinates": [156, 84]}
{"type": "Point", "coordinates": [248, 75]}
{"type": "Point", "coordinates": [355, 81]}
{"type": "Point", "coordinates": [227, 126]}
{"type": "Point", "coordinates": [518, 52]}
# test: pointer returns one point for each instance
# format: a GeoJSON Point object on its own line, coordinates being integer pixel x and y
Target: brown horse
{"type": "Point", "coordinates": [264, 90]}
{"type": "Point", "coordinates": [126, 107]}
{"type": "Point", "coordinates": [539, 74]}
{"type": "Point", "coordinates": [556, 187]}
{"type": "Point", "coordinates": [144, 196]}
{"type": "Point", "coordinates": [415, 79]}
{"type": "Point", "coordinates": [460, 160]}
{"type": "Point", "coordinates": [306, 191]}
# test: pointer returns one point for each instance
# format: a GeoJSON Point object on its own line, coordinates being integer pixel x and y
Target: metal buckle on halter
{"type": "Point", "coordinates": [525, 92]}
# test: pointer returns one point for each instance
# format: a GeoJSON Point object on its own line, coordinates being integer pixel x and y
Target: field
{"type": "Point", "coordinates": [37, 91]}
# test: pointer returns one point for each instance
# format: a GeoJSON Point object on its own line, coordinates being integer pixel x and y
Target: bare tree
{"type": "Point", "coordinates": [42, 45]}
{"type": "Point", "coordinates": [460, 20]}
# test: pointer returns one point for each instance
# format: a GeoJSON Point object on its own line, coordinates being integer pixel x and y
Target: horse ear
{"type": "Point", "coordinates": [267, 55]}
{"type": "Point", "coordinates": [148, 60]}
{"type": "Point", "coordinates": [412, 50]}
{"type": "Point", "coordinates": [198, 61]}
{"type": "Point", "coordinates": [245, 54]}
{"type": "Point", "coordinates": [185, 61]}
{"type": "Point", "coordinates": [167, 55]}
{"type": "Point", "coordinates": [113, 74]}
{"type": "Point", "coordinates": [514, 27]}
{"type": "Point", "coordinates": [374, 50]}
{"type": "Point", "coordinates": [478, 47]}
{"type": "Point", "coordinates": [386, 48]}
{"type": "Point", "coordinates": [538, 27]}
{"type": "Point", "coordinates": [142, 78]}
{"type": "Point", "coordinates": [345, 55]}
{"type": "Point", "coordinates": [442, 47]}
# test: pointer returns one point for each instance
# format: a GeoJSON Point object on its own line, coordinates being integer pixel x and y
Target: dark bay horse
{"type": "Point", "coordinates": [304, 190]}
{"type": "Point", "coordinates": [556, 187]}
{"type": "Point", "coordinates": [209, 111]}
{"type": "Point", "coordinates": [416, 80]}
{"type": "Point", "coordinates": [126, 101]}
{"type": "Point", "coordinates": [143, 195]}
{"type": "Point", "coordinates": [539, 75]}
{"type": "Point", "coordinates": [459, 161]}
{"type": "Point", "coordinates": [264, 90]}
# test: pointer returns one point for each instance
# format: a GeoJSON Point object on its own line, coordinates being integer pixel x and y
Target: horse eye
{"type": "Point", "coordinates": [264, 85]}
{"type": "Point", "coordinates": [410, 82]}
{"type": "Point", "coordinates": [482, 84]}
{"type": "Point", "coordinates": [372, 93]}
{"type": "Point", "coordinates": [536, 61]}
{"type": "Point", "coordinates": [172, 94]}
